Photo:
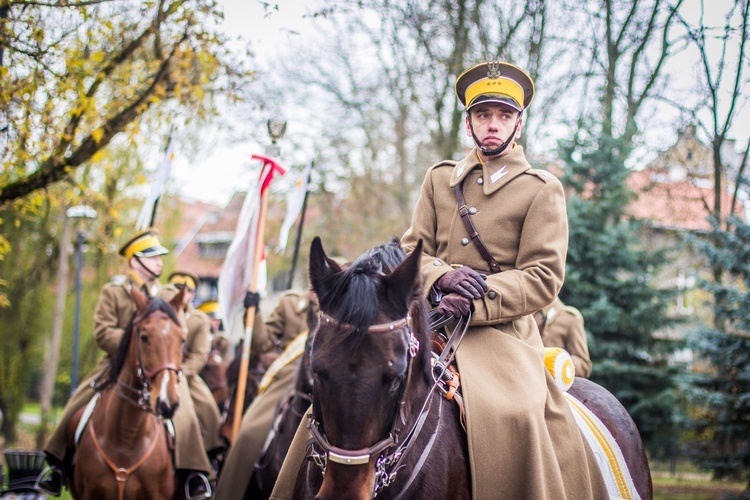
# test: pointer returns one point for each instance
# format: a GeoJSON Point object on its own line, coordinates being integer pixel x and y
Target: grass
{"type": "Point", "coordinates": [689, 483]}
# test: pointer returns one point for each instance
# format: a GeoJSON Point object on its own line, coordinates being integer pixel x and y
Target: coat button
{"type": "Point", "coordinates": [437, 263]}
{"type": "Point", "coordinates": [473, 210]}
{"type": "Point", "coordinates": [480, 181]}
{"type": "Point", "coordinates": [464, 241]}
{"type": "Point", "coordinates": [491, 295]}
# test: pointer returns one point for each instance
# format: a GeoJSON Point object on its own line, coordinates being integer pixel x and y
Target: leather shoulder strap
{"type": "Point", "coordinates": [473, 234]}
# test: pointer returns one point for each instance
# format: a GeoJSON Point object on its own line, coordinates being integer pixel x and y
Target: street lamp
{"type": "Point", "coordinates": [78, 212]}
{"type": "Point", "coordinates": [276, 130]}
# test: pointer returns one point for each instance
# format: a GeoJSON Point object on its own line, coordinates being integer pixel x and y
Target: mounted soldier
{"type": "Point", "coordinates": [114, 311]}
{"type": "Point", "coordinates": [197, 349]}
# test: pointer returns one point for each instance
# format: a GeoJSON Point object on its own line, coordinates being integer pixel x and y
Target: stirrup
{"type": "Point", "coordinates": [50, 481]}
{"type": "Point", "coordinates": [203, 488]}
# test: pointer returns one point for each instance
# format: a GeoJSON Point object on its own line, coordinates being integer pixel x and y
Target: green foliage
{"type": "Point", "coordinates": [720, 392]}
{"type": "Point", "coordinates": [28, 269]}
{"type": "Point", "coordinates": [610, 280]}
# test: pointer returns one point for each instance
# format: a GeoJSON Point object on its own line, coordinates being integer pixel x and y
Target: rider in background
{"type": "Point", "coordinates": [220, 341]}
{"type": "Point", "coordinates": [562, 326]}
{"type": "Point", "coordinates": [286, 323]}
{"type": "Point", "coordinates": [197, 349]}
{"type": "Point", "coordinates": [115, 309]}
{"type": "Point", "coordinates": [523, 440]}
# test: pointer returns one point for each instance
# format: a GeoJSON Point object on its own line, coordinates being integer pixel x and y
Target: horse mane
{"type": "Point", "coordinates": [155, 304]}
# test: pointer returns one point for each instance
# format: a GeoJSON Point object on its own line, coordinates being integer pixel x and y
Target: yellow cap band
{"type": "Point", "coordinates": [181, 279]}
{"type": "Point", "coordinates": [142, 244]}
{"type": "Point", "coordinates": [501, 86]}
{"type": "Point", "coordinates": [209, 307]}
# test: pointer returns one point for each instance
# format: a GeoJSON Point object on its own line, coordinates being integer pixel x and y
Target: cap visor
{"type": "Point", "coordinates": [492, 99]}
{"type": "Point", "coordinates": [153, 251]}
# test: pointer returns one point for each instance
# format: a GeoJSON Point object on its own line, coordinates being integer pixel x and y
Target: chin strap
{"type": "Point", "coordinates": [144, 266]}
{"type": "Point", "coordinates": [499, 149]}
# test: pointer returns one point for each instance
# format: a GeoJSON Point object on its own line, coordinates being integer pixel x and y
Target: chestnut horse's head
{"type": "Point", "coordinates": [362, 359]}
{"type": "Point", "coordinates": [149, 364]}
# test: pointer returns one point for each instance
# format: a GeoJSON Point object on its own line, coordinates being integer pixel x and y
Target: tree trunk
{"type": "Point", "coordinates": [46, 390]}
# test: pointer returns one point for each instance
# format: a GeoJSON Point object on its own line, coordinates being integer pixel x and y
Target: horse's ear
{"type": "Point", "coordinates": [141, 301]}
{"type": "Point", "coordinates": [176, 301]}
{"type": "Point", "coordinates": [320, 264]}
{"type": "Point", "coordinates": [401, 283]}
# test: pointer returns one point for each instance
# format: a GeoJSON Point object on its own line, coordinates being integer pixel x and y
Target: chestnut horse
{"type": "Point", "coordinates": [124, 451]}
{"type": "Point", "coordinates": [379, 426]}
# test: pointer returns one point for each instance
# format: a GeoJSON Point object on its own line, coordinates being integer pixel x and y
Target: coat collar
{"type": "Point", "coordinates": [495, 173]}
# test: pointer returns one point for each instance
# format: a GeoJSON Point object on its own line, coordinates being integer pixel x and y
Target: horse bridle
{"type": "Point", "coordinates": [364, 455]}
{"type": "Point", "coordinates": [144, 376]}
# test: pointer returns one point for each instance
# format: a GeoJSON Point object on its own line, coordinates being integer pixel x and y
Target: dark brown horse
{"type": "Point", "coordinates": [124, 450]}
{"type": "Point", "coordinates": [379, 425]}
{"type": "Point", "coordinates": [214, 374]}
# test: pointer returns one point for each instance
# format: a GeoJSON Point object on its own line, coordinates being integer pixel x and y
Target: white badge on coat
{"type": "Point", "coordinates": [498, 175]}
{"type": "Point", "coordinates": [461, 165]}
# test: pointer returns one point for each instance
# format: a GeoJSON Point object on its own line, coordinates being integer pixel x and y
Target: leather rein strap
{"type": "Point", "coordinates": [473, 234]}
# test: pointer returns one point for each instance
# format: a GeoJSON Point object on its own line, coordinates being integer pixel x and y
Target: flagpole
{"type": "Point", "coordinates": [301, 224]}
{"type": "Point", "coordinates": [249, 318]}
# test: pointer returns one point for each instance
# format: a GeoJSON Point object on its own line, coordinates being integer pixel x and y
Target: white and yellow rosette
{"type": "Point", "coordinates": [560, 365]}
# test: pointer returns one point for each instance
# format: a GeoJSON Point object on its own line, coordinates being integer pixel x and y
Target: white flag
{"type": "Point", "coordinates": [294, 201]}
{"type": "Point", "coordinates": [237, 272]}
{"type": "Point", "coordinates": [157, 188]}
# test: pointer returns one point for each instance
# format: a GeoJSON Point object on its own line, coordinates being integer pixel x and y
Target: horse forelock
{"type": "Point", "coordinates": [156, 304]}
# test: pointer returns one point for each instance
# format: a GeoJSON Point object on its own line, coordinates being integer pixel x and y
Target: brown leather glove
{"type": "Point", "coordinates": [453, 305]}
{"type": "Point", "coordinates": [464, 281]}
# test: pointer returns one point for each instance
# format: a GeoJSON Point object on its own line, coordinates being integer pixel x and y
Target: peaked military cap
{"type": "Point", "coordinates": [497, 83]}
{"type": "Point", "coordinates": [144, 244]}
{"type": "Point", "coordinates": [184, 278]}
{"type": "Point", "coordinates": [210, 307]}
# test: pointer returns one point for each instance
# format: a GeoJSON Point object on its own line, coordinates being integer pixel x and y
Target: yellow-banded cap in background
{"type": "Point", "coordinates": [184, 278]}
{"type": "Point", "coordinates": [144, 244]}
{"type": "Point", "coordinates": [496, 83]}
{"type": "Point", "coordinates": [211, 307]}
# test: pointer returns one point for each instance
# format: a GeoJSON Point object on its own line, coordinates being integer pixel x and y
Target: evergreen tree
{"type": "Point", "coordinates": [720, 393]}
{"type": "Point", "coordinates": [609, 279]}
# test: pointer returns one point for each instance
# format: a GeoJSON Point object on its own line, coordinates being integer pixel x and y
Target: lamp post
{"type": "Point", "coordinates": [78, 212]}
{"type": "Point", "coordinates": [276, 130]}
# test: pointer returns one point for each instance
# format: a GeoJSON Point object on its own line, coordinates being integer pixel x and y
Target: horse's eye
{"type": "Point", "coordinates": [144, 338]}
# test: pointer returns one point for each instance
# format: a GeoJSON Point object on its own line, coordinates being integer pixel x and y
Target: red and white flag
{"type": "Point", "coordinates": [237, 272]}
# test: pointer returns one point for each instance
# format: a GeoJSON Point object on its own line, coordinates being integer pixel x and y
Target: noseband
{"type": "Point", "coordinates": [142, 396]}
{"type": "Point", "coordinates": [364, 455]}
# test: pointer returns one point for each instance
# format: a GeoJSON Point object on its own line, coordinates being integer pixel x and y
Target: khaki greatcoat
{"type": "Point", "coordinates": [287, 321]}
{"type": "Point", "coordinates": [523, 440]}
{"type": "Point", "coordinates": [111, 317]}
{"type": "Point", "coordinates": [197, 349]}
{"type": "Point", "coordinates": [564, 328]}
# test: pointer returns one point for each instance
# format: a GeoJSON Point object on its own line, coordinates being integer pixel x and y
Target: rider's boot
{"type": "Point", "coordinates": [51, 479]}
{"type": "Point", "coordinates": [197, 486]}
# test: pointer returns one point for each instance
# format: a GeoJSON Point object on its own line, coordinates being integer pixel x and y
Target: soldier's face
{"type": "Point", "coordinates": [493, 124]}
{"type": "Point", "coordinates": [153, 264]}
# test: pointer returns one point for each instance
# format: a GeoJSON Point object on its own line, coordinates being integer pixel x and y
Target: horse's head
{"type": "Point", "coordinates": [152, 350]}
{"type": "Point", "coordinates": [362, 360]}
